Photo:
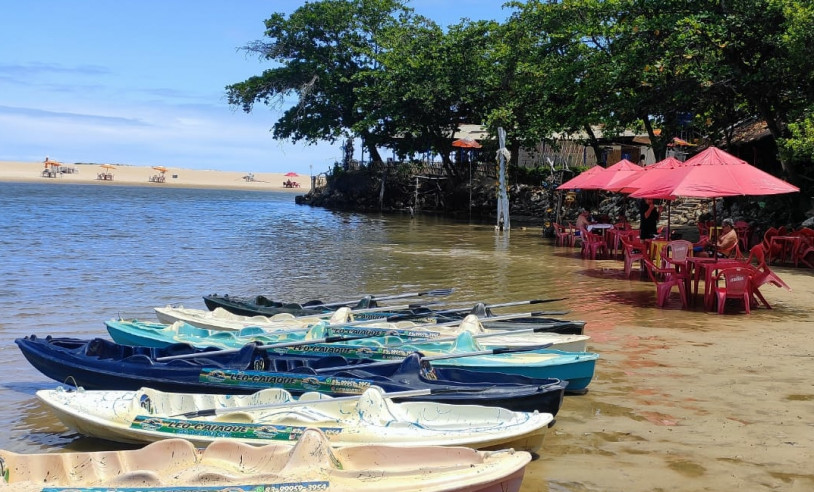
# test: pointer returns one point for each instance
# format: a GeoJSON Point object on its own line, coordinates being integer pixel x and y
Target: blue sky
{"type": "Point", "coordinates": [142, 82]}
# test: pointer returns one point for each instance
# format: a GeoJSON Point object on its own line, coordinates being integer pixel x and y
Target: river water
{"type": "Point", "coordinates": [76, 255]}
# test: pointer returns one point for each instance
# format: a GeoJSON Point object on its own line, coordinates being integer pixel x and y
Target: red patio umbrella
{"type": "Point", "coordinates": [291, 174]}
{"type": "Point", "coordinates": [712, 173]}
{"type": "Point", "coordinates": [575, 183]}
{"type": "Point", "coordinates": [633, 182]}
{"type": "Point", "coordinates": [607, 178]}
{"type": "Point", "coordinates": [649, 176]}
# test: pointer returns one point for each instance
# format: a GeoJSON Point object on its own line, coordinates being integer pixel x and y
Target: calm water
{"type": "Point", "coordinates": [76, 255]}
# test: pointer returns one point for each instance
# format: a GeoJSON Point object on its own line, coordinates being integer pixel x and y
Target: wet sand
{"type": "Point", "coordinates": [140, 176]}
{"type": "Point", "coordinates": [710, 403]}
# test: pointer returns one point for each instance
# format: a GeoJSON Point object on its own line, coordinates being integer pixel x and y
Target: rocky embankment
{"type": "Point", "coordinates": [537, 206]}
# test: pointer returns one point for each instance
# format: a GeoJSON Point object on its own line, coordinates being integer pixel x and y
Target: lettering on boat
{"type": "Point", "coordinates": [347, 350]}
{"type": "Point", "coordinates": [257, 379]}
{"type": "Point", "coordinates": [183, 427]}
{"type": "Point", "coordinates": [385, 332]}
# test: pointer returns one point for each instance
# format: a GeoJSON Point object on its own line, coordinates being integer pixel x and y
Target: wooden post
{"type": "Point", "coordinates": [503, 221]}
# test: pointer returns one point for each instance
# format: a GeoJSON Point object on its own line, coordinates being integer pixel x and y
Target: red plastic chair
{"type": "Point", "coordinates": [806, 248]}
{"type": "Point", "coordinates": [676, 254]}
{"type": "Point", "coordinates": [763, 274]}
{"type": "Point", "coordinates": [744, 231]}
{"type": "Point", "coordinates": [634, 250]}
{"type": "Point", "coordinates": [593, 245]}
{"type": "Point", "coordinates": [665, 279]}
{"type": "Point", "coordinates": [562, 236]}
{"type": "Point", "coordinates": [736, 285]}
{"type": "Point", "coordinates": [576, 239]}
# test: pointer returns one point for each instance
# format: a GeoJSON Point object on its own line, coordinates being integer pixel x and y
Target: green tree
{"type": "Point", "coordinates": [429, 84]}
{"type": "Point", "coordinates": [324, 53]}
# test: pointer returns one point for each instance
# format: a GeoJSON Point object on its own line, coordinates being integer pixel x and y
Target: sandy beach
{"type": "Point", "coordinates": [140, 176]}
{"type": "Point", "coordinates": [692, 401]}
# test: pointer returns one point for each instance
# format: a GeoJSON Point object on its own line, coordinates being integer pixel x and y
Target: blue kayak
{"type": "Point", "coordinates": [101, 364]}
{"type": "Point", "coordinates": [575, 367]}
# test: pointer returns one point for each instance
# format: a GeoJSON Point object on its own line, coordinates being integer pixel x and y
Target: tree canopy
{"type": "Point", "coordinates": [373, 69]}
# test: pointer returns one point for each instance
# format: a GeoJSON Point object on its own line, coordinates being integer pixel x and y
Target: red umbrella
{"type": "Point", "coordinates": [466, 143]}
{"type": "Point", "coordinates": [291, 174]}
{"type": "Point", "coordinates": [607, 179]}
{"type": "Point", "coordinates": [633, 182]}
{"type": "Point", "coordinates": [576, 182]}
{"type": "Point", "coordinates": [713, 173]}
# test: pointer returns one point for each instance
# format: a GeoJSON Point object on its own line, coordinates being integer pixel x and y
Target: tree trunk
{"type": "Point", "coordinates": [778, 131]}
{"type": "Point", "coordinates": [373, 152]}
{"type": "Point", "coordinates": [594, 143]}
{"type": "Point", "coordinates": [657, 143]}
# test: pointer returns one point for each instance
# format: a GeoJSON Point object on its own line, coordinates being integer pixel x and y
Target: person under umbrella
{"type": "Point", "coordinates": [724, 246]}
{"type": "Point", "coordinates": [649, 218]}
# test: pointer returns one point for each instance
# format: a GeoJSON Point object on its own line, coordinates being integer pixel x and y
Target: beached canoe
{"type": "Point", "coordinates": [310, 464]}
{"type": "Point", "coordinates": [577, 368]}
{"type": "Point", "coordinates": [150, 334]}
{"type": "Point", "coordinates": [272, 415]}
{"type": "Point", "coordinates": [104, 365]}
{"type": "Point", "coordinates": [260, 306]}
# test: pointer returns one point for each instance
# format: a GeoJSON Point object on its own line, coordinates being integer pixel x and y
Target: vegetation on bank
{"type": "Point", "coordinates": [374, 70]}
{"type": "Point", "coordinates": [534, 201]}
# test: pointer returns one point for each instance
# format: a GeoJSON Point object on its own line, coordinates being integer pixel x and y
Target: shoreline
{"type": "Point", "coordinates": [127, 175]}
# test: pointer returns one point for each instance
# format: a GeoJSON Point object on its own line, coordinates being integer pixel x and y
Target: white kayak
{"type": "Point", "coordinates": [178, 330]}
{"type": "Point", "coordinates": [222, 320]}
{"type": "Point", "coordinates": [307, 465]}
{"type": "Point", "coordinates": [273, 414]}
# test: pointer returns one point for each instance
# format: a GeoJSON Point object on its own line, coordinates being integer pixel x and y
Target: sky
{"type": "Point", "coordinates": [142, 82]}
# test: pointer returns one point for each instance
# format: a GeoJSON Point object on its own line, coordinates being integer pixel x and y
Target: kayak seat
{"type": "Point", "coordinates": [178, 349]}
{"type": "Point", "coordinates": [250, 331]}
{"type": "Point", "coordinates": [138, 359]}
{"type": "Point", "coordinates": [187, 363]}
{"type": "Point", "coordinates": [265, 301]}
{"type": "Point", "coordinates": [329, 361]}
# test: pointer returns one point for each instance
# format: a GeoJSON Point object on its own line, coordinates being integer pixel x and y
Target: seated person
{"type": "Point", "coordinates": [726, 243]}
{"type": "Point", "coordinates": [584, 219]}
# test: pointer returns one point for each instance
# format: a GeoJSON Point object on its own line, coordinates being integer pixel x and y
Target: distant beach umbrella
{"type": "Point", "coordinates": [291, 174]}
{"type": "Point", "coordinates": [108, 166]}
{"type": "Point", "coordinates": [160, 169]}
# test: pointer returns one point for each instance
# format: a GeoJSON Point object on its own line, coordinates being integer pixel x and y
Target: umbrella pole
{"type": "Point", "coordinates": [715, 225]}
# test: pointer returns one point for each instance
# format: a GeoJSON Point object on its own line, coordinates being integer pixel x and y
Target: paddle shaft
{"type": "Point", "coordinates": [497, 351]}
{"type": "Point", "coordinates": [504, 304]}
{"type": "Point", "coordinates": [435, 292]}
{"type": "Point", "coordinates": [397, 307]}
{"type": "Point", "coordinates": [537, 329]}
